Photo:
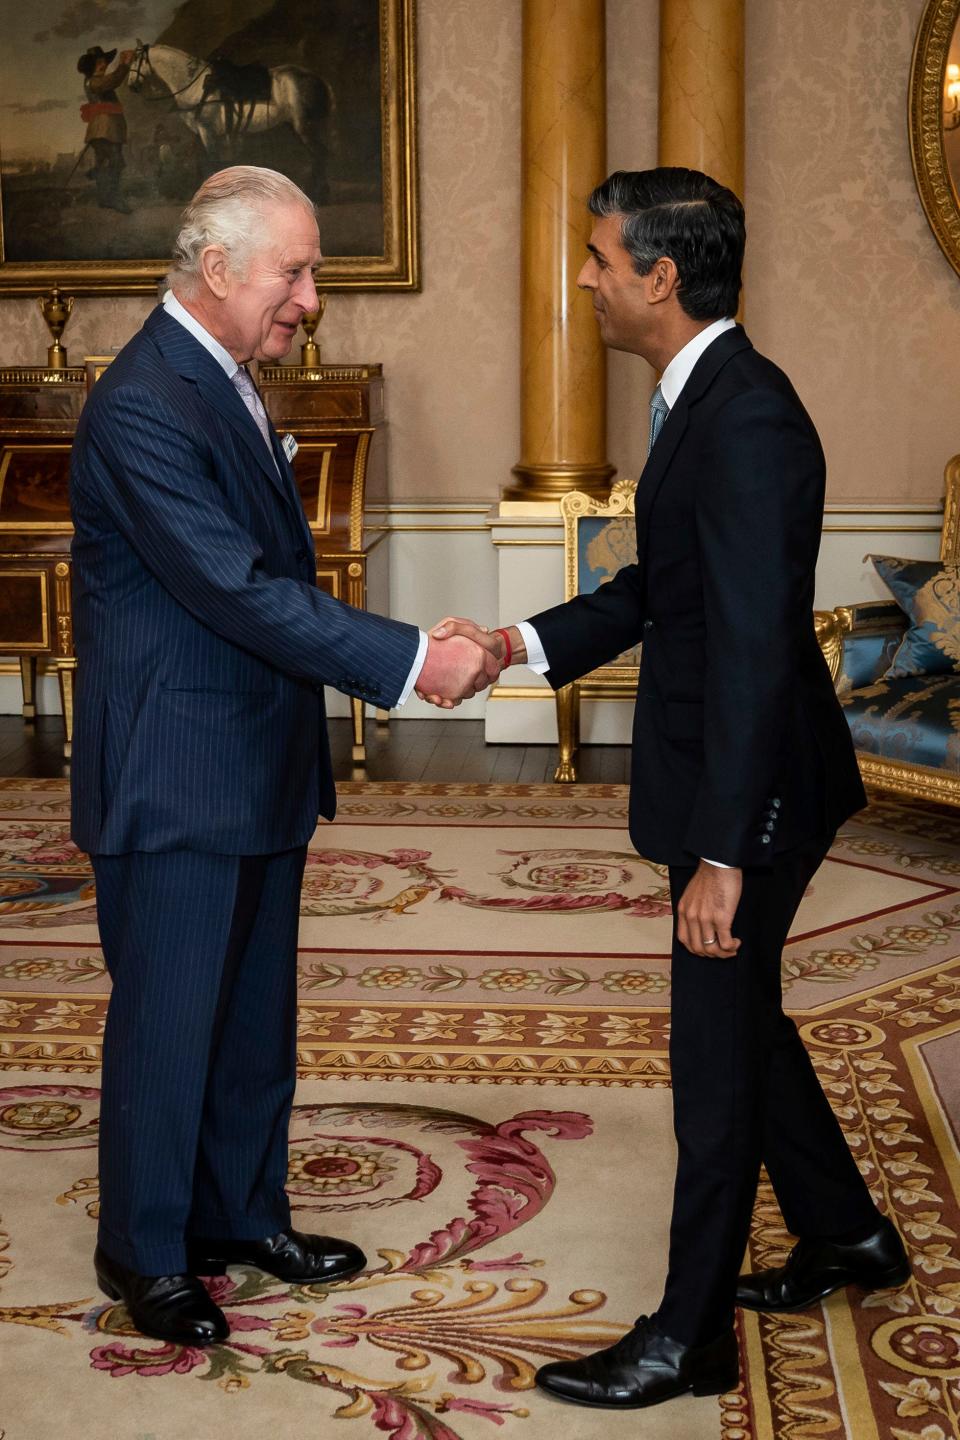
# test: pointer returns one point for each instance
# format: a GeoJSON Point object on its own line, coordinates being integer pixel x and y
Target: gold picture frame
{"type": "Point", "coordinates": [928, 75]}
{"type": "Point", "coordinates": [383, 247]}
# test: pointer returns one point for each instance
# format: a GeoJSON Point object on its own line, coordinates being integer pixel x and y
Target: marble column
{"type": "Point", "coordinates": [701, 87]}
{"type": "Point", "coordinates": [563, 365]}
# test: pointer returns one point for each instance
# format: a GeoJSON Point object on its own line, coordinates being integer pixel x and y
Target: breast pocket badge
{"type": "Point", "coordinates": [290, 447]}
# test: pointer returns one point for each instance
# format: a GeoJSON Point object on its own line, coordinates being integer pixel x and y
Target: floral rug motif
{"type": "Point", "coordinates": [445, 940]}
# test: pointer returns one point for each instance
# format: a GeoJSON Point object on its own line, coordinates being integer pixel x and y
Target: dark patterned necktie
{"type": "Point", "coordinates": [659, 410]}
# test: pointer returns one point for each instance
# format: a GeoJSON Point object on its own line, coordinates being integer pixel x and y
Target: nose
{"type": "Point", "coordinates": [586, 280]}
{"type": "Point", "coordinates": [305, 293]}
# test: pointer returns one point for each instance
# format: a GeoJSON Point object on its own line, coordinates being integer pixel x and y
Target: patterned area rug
{"type": "Point", "coordinates": [454, 936]}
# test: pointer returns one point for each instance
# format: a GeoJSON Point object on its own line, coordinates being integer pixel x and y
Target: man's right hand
{"type": "Point", "coordinates": [455, 669]}
{"type": "Point", "coordinates": [491, 640]}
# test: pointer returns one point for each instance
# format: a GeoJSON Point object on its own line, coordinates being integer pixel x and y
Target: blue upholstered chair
{"type": "Point", "coordinates": [906, 729]}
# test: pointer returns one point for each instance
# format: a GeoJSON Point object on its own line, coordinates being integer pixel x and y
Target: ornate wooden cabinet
{"type": "Point", "coordinates": [335, 414]}
{"type": "Point", "coordinates": [38, 416]}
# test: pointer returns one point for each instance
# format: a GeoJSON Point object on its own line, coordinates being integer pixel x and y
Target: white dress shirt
{"type": "Point", "coordinates": [672, 381]}
{"type": "Point", "coordinates": [230, 367]}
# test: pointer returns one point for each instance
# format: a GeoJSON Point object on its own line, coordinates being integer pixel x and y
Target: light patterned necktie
{"type": "Point", "coordinates": [659, 410]}
{"type": "Point", "coordinates": [243, 381]}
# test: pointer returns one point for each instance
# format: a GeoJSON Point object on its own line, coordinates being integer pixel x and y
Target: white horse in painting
{"type": "Point", "coordinates": [221, 118]}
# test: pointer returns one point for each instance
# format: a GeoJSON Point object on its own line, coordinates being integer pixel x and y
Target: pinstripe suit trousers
{"type": "Point", "coordinates": [199, 1049]}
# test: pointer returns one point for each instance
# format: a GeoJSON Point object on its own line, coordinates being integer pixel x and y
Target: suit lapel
{"type": "Point", "coordinates": [189, 358]}
{"type": "Point", "coordinates": [706, 370]}
{"type": "Point", "coordinates": [293, 489]}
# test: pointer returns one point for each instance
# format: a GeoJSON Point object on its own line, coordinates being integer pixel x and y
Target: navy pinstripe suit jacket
{"type": "Point", "coordinates": [202, 640]}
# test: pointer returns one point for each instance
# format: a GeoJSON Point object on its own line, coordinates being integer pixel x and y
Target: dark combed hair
{"type": "Point", "coordinates": [694, 221]}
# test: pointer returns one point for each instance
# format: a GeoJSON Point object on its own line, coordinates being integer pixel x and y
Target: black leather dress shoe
{"type": "Point", "coordinates": [291, 1256]}
{"type": "Point", "coordinates": [815, 1268]}
{"type": "Point", "coordinates": [642, 1369]}
{"type": "Point", "coordinates": [166, 1307]}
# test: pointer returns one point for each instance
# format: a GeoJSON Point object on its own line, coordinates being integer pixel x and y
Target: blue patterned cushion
{"type": "Point", "coordinates": [915, 719]}
{"type": "Point", "coordinates": [929, 592]}
{"type": "Point", "coordinates": [867, 656]}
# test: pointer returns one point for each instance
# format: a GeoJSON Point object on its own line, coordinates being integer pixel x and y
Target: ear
{"type": "Point", "coordinates": [663, 280]}
{"type": "Point", "coordinates": [214, 269]}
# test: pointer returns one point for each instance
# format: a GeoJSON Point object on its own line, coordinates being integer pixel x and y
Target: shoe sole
{"type": "Point", "coordinates": [893, 1280]}
{"type": "Point", "coordinates": [701, 1388]}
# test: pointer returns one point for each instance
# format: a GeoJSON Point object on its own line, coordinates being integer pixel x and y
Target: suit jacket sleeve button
{"type": "Point", "coordinates": [765, 839]}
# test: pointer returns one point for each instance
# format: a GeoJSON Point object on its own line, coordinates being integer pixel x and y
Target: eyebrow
{"type": "Point", "coordinates": [595, 250]}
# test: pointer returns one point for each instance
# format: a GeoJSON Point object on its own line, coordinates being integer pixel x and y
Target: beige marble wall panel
{"type": "Point", "coordinates": [451, 352]}
{"type": "Point", "coordinates": [846, 285]}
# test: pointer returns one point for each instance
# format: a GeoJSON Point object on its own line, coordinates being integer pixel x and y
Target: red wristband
{"type": "Point", "coordinates": [506, 641]}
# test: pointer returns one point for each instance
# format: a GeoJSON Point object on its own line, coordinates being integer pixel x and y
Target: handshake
{"type": "Point", "coordinates": [463, 658]}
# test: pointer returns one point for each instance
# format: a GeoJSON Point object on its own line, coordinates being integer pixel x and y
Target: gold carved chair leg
{"type": "Point", "coordinates": [568, 732]}
{"type": "Point", "coordinates": [383, 717]}
{"type": "Point", "coordinates": [66, 670]}
{"type": "Point", "coordinates": [28, 678]}
{"type": "Point", "coordinates": [359, 749]}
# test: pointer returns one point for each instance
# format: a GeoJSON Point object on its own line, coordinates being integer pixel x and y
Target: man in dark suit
{"type": "Point", "coordinates": [742, 770]}
{"type": "Point", "coordinates": [201, 760]}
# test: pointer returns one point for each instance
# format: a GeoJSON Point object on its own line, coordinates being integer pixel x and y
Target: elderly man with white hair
{"type": "Point", "coordinates": [201, 759]}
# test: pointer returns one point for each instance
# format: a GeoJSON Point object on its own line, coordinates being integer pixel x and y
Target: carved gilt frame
{"type": "Point", "coordinates": [397, 268]}
{"type": "Point", "coordinates": [938, 194]}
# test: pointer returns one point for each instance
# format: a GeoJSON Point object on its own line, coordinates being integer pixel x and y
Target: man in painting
{"type": "Point", "coordinates": [106, 125]}
{"type": "Point", "coordinates": [742, 769]}
{"type": "Point", "coordinates": [201, 760]}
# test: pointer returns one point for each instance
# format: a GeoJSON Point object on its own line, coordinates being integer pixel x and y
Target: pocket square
{"type": "Point", "coordinates": [290, 447]}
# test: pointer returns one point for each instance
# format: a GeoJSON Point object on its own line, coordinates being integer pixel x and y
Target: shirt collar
{"type": "Point", "coordinates": [189, 322]}
{"type": "Point", "coordinates": [681, 366]}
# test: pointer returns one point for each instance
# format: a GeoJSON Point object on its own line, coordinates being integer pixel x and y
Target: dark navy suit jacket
{"type": "Point", "coordinates": [740, 748]}
{"type": "Point", "coordinates": [202, 641]}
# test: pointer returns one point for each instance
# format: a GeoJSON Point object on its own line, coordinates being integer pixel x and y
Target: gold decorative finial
{"type": "Point", "coordinates": [310, 351]}
{"type": "Point", "coordinates": [56, 310]}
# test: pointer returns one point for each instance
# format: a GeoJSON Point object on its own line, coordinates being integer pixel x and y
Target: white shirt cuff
{"type": "Point", "coordinates": [717, 863]}
{"type": "Point", "coordinates": [536, 656]}
{"type": "Point", "coordinates": [415, 670]}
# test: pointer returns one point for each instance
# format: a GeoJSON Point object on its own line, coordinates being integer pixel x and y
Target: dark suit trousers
{"type": "Point", "coordinates": [199, 1049]}
{"type": "Point", "coordinates": [745, 1092]}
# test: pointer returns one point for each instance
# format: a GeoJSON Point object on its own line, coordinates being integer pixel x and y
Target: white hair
{"type": "Point", "coordinates": [229, 210]}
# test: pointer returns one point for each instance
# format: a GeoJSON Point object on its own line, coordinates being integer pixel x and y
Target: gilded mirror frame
{"type": "Point", "coordinates": [928, 71]}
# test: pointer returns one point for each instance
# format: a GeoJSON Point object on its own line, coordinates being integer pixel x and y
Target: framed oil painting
{"type": "Point", "coordinates": [113, 113]}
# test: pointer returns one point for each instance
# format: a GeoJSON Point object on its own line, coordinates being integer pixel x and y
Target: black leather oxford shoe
{"type": "Point", "coordinates": [815, 1268]}
{"type": "Point", "coordinates": [291, 1256]}
{"type": "Point", "coordinates": [642, 1369]}
{"type": "Point", "coordinates": [166, 1307]}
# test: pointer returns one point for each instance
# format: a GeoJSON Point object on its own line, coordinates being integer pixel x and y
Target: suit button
{"type": "Point", "coordinates": [769, 825]}
{"type": "Point", "coordinates": [776, 802]}
{"type": "Point", "coordinates": [648, 624]}
{"type": "Point", "coordinates": [764, 839]}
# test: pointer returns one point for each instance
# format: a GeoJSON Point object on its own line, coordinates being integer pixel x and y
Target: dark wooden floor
{"type": "Point", "coordinates": [403, 750]}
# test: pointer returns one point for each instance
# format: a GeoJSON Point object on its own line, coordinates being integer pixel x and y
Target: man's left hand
{"type": "Point", "coordinates": [706, 911]}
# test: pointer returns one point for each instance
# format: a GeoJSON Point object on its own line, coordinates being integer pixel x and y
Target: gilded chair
{"type": "Point", "coordinates": [599, 538]}
{"type": "Point", "coordinates": [906, 731]}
